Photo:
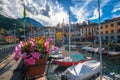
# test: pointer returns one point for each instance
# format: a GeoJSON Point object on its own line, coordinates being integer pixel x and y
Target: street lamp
{"type": "Point", "coordinates": [14, 33]}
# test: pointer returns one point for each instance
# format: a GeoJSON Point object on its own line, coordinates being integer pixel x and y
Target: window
{"type": "Point", "coordinates": [106, 38]}
{"type": "Point", "coordinates": [112, 25]}
{"type": "Point", "coordinates": [118, 37]}
{"type": "Point", "coordinates": [101, 27]}
{"type": "Point", "coordinates": [118, 23]}
{"type": "Point", "coordinates": [106, 32]}
{"type": "Point", "coordinates": [106, 26]}
{"type": "Point", "coordinates": [112, 31]}
{"type": "Point", "coordinates": [97, 28]}
{"type": "Point", "coordinates": [112, 37]}
{"type": "Point", "coordinates": [118, 30]}
{"type": "Point", "coordinates": [101, 32]}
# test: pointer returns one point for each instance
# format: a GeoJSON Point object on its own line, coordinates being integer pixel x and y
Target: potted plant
{"type": "Point", "coordinates": [34, 53]}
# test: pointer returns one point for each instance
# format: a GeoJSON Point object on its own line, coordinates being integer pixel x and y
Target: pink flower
{"type": "Point", "coordinates": [48, 50]}
{"type": "Point", "coordinates": [25, 56]}
{"type": "Point", "coordinates": [32, 43]}
{"type": "Point", "coordinates": [49, 39]}
{"type": "Point", "coordinates": [17, 56]}
{"type": "Point", "coordinates": [35, 55]}
{"type": "Point", "coordinates": [46, 44]}
{"type": "Point", "coordinates": [31, 60]}
{"type": "Point", "coordinates": [55, 48]}
{"type": "Point", "coordinates": [32, 48]}
{"type": "Point", "coordinates": [22, 43]}
{"type": "Point", "coordinates": [17, 49]}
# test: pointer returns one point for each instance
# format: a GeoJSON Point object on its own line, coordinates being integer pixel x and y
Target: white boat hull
{"type": "Point", "coordinates": [83, 70]}
{"type": "Point", "coordinates": [113, 53]}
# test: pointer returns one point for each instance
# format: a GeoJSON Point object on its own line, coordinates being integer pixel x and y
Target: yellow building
{"type": "Point", "coordinates": [110, 30]}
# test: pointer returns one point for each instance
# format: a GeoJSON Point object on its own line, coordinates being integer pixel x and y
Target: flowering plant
{"type": "Point", "coordinates": [34, 49]}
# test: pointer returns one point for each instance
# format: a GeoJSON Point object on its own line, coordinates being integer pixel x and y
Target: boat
{"type": "Point", "coordinates": [94, 50]}
{"type": "Point", "coordinates": [71, 60]}
{"type": "Point", "coordinates": [113, 53]}
{"type": "Point", "coordinates": [83, 71]}
{"type": "Point", "coordinates": [84, 48]}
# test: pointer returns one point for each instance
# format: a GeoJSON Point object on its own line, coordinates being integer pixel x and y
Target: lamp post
{"type": "Point", "coordinates": [69, 34]}
{"type": "Point", "coordinates": [14, 33]}
{"type": "Point", "coordinates": [63, 31]}
{"type": "Point", "coordinates": [24, 29]}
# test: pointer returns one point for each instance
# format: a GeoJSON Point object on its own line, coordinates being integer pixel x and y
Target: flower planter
{"type": "Point", "coordinates": [36, 70]}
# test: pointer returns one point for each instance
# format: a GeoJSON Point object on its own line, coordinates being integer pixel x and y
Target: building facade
{"type": "Point", "coordinates": [110, 30]}
{"type": "Point", "coordinates": [47, 32]}
{"type": "Point", "coordinates": [87, 32]}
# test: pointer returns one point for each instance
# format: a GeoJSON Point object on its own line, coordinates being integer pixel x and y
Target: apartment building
{"type": "Point", "coordinates": [87, 32]}
{"type": "Point", "coordinates": [110, 30]}
{"type": "Point", "coordinates": [47, 32]}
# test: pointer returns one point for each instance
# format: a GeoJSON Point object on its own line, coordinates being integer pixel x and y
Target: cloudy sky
{"type": "Point", "coordinates": [52, 12]}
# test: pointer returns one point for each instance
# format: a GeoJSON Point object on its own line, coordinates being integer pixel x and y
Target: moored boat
{"type": "Point", "coordinates": [83, 71]}
{"type": "Point", "coordinates": [71, 60]}
{"type": "Point", "coordinates": [113, 53]}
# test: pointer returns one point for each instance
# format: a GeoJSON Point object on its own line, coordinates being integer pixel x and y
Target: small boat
{"type": "Point", "coordinates": [71, 60]}
{"type": "Point", "coordinates": [94, 50]}
{"type": "Point", "coordinates": [83, 71]}
{"type": "Point", "coordinates": [84, 48]}
{"type": "Point", "coordinates": [113, 53]}
{"type": "Point", "coordinates": [89, 49]}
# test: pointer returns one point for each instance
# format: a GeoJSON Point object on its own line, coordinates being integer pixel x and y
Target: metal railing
{"type": "Point", "coordinates": [6, 51]}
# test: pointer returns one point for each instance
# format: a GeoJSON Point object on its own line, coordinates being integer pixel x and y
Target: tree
{"type": "Point", "coordinates": [2, 30]}
{"type": "Point", "coordinates": [59, 36]}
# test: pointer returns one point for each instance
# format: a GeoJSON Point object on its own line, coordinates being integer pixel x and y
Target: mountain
{"type": "Point", "coordinates": [29, 20]}
{"type": "Point", "coordinates": [9, 23]}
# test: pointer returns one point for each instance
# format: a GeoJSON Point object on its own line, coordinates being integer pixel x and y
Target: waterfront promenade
{"type": "Point", "coordinates": [8, 69]}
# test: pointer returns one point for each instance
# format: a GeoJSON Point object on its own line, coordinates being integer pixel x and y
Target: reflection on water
{"type": "Point", "coordinates": [111, 65]}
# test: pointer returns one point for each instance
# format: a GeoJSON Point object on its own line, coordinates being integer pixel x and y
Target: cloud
{"type": "Point", "coordinates": [47, 12]}
{"type": "Point", "coordinates": [51, 12]}
{"type": "Point", "coordinates": [116, 7]}
{"type": "Point", "coordinates": [81, 12]}
{"type": "Point", "coordinates": [104, 3]}
{"type": "Point", "coordinates": [95, 13]}
{"type": "Point", "coordinates": [106, 18]}
{"type": "Point", "coordinates": [57, 13]}
{"type": "Point", "coordinates": [87, 10]}
{"type": "Point", "coordinates": [10, 8]}
{"type": "Point", "coordinates": [114, 16]}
